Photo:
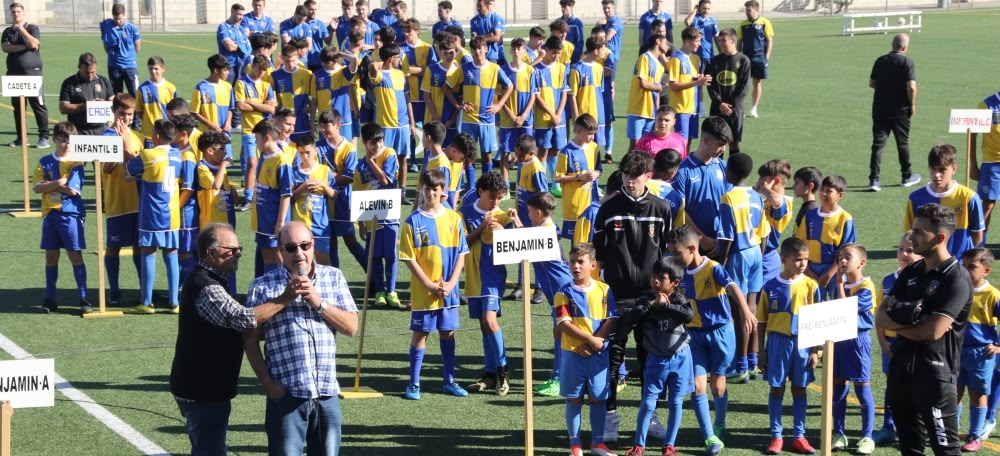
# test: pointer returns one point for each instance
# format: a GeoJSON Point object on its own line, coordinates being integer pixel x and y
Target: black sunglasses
{"type": "Point", "coordinates": [292, 248]}
{"type": "Point", "coordinates": [234, 250]}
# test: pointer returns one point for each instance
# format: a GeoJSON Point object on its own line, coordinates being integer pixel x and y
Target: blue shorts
{"type": "Point", "coordinates": [989, 182]}
{"type": "Point", "coordinates": [398, 139]}
{"type": "Point", "coordinates": [758, 68]}
{"type": "Point", "coordinates": [687, 125]}
{"type": "Point", "coordinates": [321, 244]}
{"type": "Point", "coordinates": [486, 134]}
{"type": "Point", "coordinates": [638, 126]}
{"type": "Point", "coordinates": [551, 138]}
{"type": "Point", "coordinates": [63, 231]}
{"type": "Point", "coordinates": [418, 112]}
{"type": "Point", "coordinates": [674, 374]}
{"type": "Point", "coordinates": [976, 369]}
{"type": "Point", "coordinates": [712, 350]}
{"type": "Point", "coordinates": [341, 228]}
{"type": "Point", "coordinates": [188, 240]}
{"type": "Point", "coordinates": [886, 357]}
{"type": "Point", "coordinates": [434, 320]}
{"type": "Point", "coordinates": [746, 269]}
{"type": "Point", "coordinates": [509, 136]}
{"type": "Point", "coordinates": [249, 142]}
{"type": "Point", "coordinates": [785, 360]}
{"type": "Point", "coordinates": [482, 304]}
{"type": "Point", "coordinates": [579, 375]}
{"type": "Point", "coordinates": [355, 128]}
{"type": "Point", "coordinates": [123, 230]}
{"type": "Point", "coordinates": [266, 240]}
{"type": "Point", "coordinates": [852, 358]}
{"type": "Point", "coordinates": [386, 241]}
{"type": "Point", "coordinates": [347, 131]}
{"type": "Point", "coordinates": [229, 150]}
{"type": "Point", "coordinates": [161, 239]}
{"type": "Point", "coordinates": [568, 228]}
{"type": "Point", "coordinates": [771, 265]}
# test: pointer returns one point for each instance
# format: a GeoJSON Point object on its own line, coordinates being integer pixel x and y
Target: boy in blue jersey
{"type": "Point", "coordinates": [444, 18]}
{"type": "Point", "coordinates": [655, 13]}
{"type": "Point", "coordinates": [826, 229]}
{"type": "Point", "coordinates": [339, 154]}
{"type": "Point", "coordinates": [980, 344]}
{"type": "Point", "coordinates": [60, 182]}
{"type": "Point", "coordinates": [852, 358]}
{"type": "Point", "coordinates": [665, 166]}
{"type": "Point", "coordinates": [212, 101]}
{"type": "Point", "coordinates": [713, 338]}
{"type": "Point", "coordinates": [433, 245]}
{"type": "Point", "coordinates": [942, 189]}
{"type": "Point", "coordinates": [780, 356]}
{"type": "Point", "coordinates": [662, 316]}
{"type": "Point", "coordinates": [701, 178]}
{"type": "Point", "coordinates": [742, 230]}
{"type": "Point", "coordinates": [489, 25]}
{"type": "Point", "coordinates": [484, 280]}
{"type": "Point", "coordinates": [272, 198]}
{"type": "Point", "coordinates": [586, 313]}
{"type": "Point", "coordinates": [480, 81]}
{"type": "Point", "coordinates": [188, 234]}
{"type": "Point", "coordinates": [377, 172]}
{"type": "Point", "coordinates": [122, 41]}
{"type": "Point", "coordinates": [516, 116]}
{"type": "Point", "coordinates": [159, 213]}
{"type": "Point", "coordinates": [312, 189]}
{"type": "Point", "coordinates": [531, 181]}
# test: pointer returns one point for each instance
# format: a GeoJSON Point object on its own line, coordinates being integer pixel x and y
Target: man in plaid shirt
{"type": "Point", "coordinates": [299, 375]}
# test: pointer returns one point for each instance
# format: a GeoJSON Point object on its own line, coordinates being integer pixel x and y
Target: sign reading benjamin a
{"type": "Point", "coordinates": [533, 244]}
{"type": "Point", "coordinates": [976, 120]}
{"type": "Point", "coordinates": [22, 86]}
{"type": "Point", "coordinates": [371, 204]}
{"type": "Point", "coordinates": [28, 383]}
{"type": "Point", "coordinates": [96, 148]}
{"type": "Point", "coordinates": [99, 111]}
{"type": "Point", "coordinates": [835, 320]}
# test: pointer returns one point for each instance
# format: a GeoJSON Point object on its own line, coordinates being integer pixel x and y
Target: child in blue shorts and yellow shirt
{"type": "Point", "coordinates": [980, 345]}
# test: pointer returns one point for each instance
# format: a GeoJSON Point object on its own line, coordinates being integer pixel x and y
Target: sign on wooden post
{"type": "Point", "coordinates": [20, 87]}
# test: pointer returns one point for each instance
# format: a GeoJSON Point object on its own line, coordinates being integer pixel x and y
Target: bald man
{"type": "Point", "coordinates": [894, 79]}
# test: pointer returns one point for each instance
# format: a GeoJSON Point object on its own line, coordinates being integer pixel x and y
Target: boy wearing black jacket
{"type": "Point", "coordinates": [730, 72]}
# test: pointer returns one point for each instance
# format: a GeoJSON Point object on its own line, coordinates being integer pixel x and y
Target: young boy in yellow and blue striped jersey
{"type": "Point", "coordinates": [272, 198]}
{"type": "Point", "coordinates": [338, 152]}
{"type": "Point", "coordinates": [333, 86]}
{"type": "Point", "coordinates": [440, 79]}
{"type": "Point", "coordinates": [517, 115]}
{"type": "Point", "coordinates": [431, 140]}
{"type": "Point", "coordinates": [771, 180]}
{"type": "Point", "coordinates": [215, 195]}
{"type": "Point", "coordinates": [188, 234]}
{"type": "Point", "coordinates": [152, 97]}
{"type": "Point", "coordinates": [392, 106]}
{"type": "Point", "coordinates": [377, 171]}
{"type": "Point", "coordinates": [462, 151]}
{"type": "Point", "coordinates": [417, 56]}
{"type": "Point", "coordinates": [121, 197]}
{"type": "Point", "coordinates": [212, 101]}
{"type": "Point", "coordinates": [313, 187]}
{"type": "Point", "coordinates": [586, 86]}
{"type": "Point", "coordinates": [980, 344]}
{"type": "Point", "coordinates": [550, 121]}
{"type": "Point", "coordinates": [578, 169]}
{"type": "Point", "coordinates": [531, 181]}
{"type": "Point", "coordinates": [826, 229]}
{"type": "Point", "coordinates": [293, 87]}
{"type": "Point", "coordinates": [481, 100]}
{"type": "Point", "coordinates": [256, 101]}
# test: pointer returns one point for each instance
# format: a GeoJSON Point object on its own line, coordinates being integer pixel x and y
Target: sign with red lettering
{"type": "Point", "coordinates": [976, 120]}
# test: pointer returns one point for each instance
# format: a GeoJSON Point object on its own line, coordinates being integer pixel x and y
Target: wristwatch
{"type": "Point", "coordinates": [322, 306]}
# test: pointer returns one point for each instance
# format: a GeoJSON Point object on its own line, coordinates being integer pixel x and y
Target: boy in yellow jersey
{"type": "Point", "coordinates": [586, 82]}
{"type": "Point", "coordinates": [482, 101]}
{"type": "Point", "coordinates": [121, 196]}
{"type": "Point", "coordinates": [462, 153]}
{"type": "Point", "coordinates": [263, 44]}
{"type": "Point", "coordinates": [578, 168]}
{"type": "Point", "coordinates": [293, 87]}
{"type": "Point", "coordinates": [339, 154]}
{"type": "Point", "coordinates": [780, 356]}
{"type": "Point", "coordinates": [313, 187]}
{"type": "Point", "coordinates": [392, 106]}
{"type": "Point", "coordinates": [433, 246]}
{"type": "Point", "coordinates": [772, 177]}
{"type": "Point", "coordinates": [188, 234]}
{"type": "Point", "coordinates": [550, 121]}
{"type": "Point", "coordinates": [516, 116]}
{"type": "Point", "coordinates": [980, 345]}
{"type": "Point", "coordinates": [431, 140]}
{"type": "Point", "coordinates": [440, 77]}
{"type": "Point", "coordinates": [256, 101]}
{"type": "Point", "coordinates": [559, 29]}
{"type": "Point", "coordinates": [827, 228]}
{"type": "Point", "coordinates": [272, 198]}
{"type": "Point", "coordinates": [988, 176]}
{"type": "Point", "coordinates": [212, 101]}
{"type": "Point", "coordinates": [416, 57]}
{"type": "Point", "coordinates": [586, 313]}
{"type": "Point", "coordinates": [377, 171]}
{"type": "Point", "coordinates": [215, 195]}
{"type": "Point", "coordinates": [59, 182]}
{"type": "Point", "coordinates": [853, 357]}
{"type": "Point", "coordinates": [584, 230]}
{"type": "Point", "coordinates": [333, 86]}
{"type": "Point", "coordinates": [684, 82]}
{"type": "Point", "coordinates": [644, 95]}
{"type": "Point", "coordinates": [152, 97]}
{"type": "Point", "coordinates": [531, 181]}
{"type": "Point", "coordinates": [285, 119]}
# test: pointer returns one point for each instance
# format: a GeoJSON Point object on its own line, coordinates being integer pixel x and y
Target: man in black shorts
{"type": "Point", "coordinates": [925, 356]}
{"type": "Point", "coordinates": [730, 72]}
{"type": "Point", "coordinates": [21, 43]}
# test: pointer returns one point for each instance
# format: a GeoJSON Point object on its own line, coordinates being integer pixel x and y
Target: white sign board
{"type": "Point", "coordinates": [834, 320]}
{"type": "Point", "coordinates": [28, 383]}
{"type": "Point", "coordinates": [22, 86]}
{"type": "Point", "coordinates": [99, 111]}
{"type": "Point", "coordinates": [371, 204]}
{"type": "Point", "coordinates": [977, 120]}
{"type": "Point", "coordinates": [533, 244]}
{"type": "Point", "coordinates": [96, 148]}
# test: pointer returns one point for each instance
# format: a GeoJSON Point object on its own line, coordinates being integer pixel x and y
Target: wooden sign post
{"type": "Point", "coordinates": [373, 205]}
{"type": "Point", "coordinates": [823, 324]}
{"type": "Point", "coordinates": [34, 386]}
{"type": "Point", "coordinates": [970, 121]}
{"type": "Point", "coordinates": [525, 246]}
{"type": "Point", "coordinates": [98, 149]}
{"type": "Point", "coordinates": [20, 87]}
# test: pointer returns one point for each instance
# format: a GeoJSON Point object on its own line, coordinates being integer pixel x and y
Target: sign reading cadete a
{"type": "Point", "coordinates": [96, 148]}
{"type": "Point", "coordinates": [534, 244]}
{"type": "Point", "coordinates": [22, 86]}
{"type": "Point", "coordinates": [99, 111]}
{"type": "Point", "coordinates": [371, 204]}
{"type": "Point", "coordinates": [974, 120]}
{"type": "Point", "coordinates": [834, 320]}
{"type": "Point", "coordinates": [28, 382]}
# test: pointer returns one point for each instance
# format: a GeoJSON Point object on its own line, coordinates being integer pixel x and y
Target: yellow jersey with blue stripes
{"type": "Point", "coordinates": [214, 101]}
{"type": "Point", "coordinates": [482, 277]}
{"type": "Point", "coordinates": [566, 55]}
{"type": "Point", "coordinates": [121, 193]}
{"type": "Point", "coordinates": [825, 233]}
{"type": "Point", "coordinates": [966, 204]}
{"type": "Point", "coordinates": [391, 103]}
{"type": "Point", "coordinates": [683, 68]}
{"type": "Point", "coordinates": [294, 90]}
{"type": "Point", "coordinates": [588, 308]}
{"type": "Point", "coordinates": [741, 214]}
{"type": "Point", "coordinates": [864, 289]}
{"type": "Point", "coordinates": [343, 160]}
{"type": "Point", "coordinates": [252, 91]}
{"type": "Point", "coordinates": [159, 194]}
{"type": "Point", "coordinates": [437, 79]}
{"type": "Point", "coordinates": [572, 160]}
{"type": "Point", "coordinates": [584, 231]}
{"type": "Point", "coordinates": [525, 88]}
{"type": "Point", "coordinates": [52, 168]}
{"type": "Point", "coordinates": [779, 218]}
{"type": "Point", "coordinates": [674, 198]}
{"type": "Point", "coordinates": [781, 299]}
{"type": "Point", "coordinates": [312, 208]}
{"type": "Point", "coordinates": [151, 100]}
{"type": "Point", "coordinates": [479, 87]}
{"type": "Point", "coordinates": [437, 244]}
{"type": "Point", "coordinates": [887, 284]}
{"type": "Point", "coordinates": [531, 179]}
{"type": "Point", "coordinates": [642, 102]}
{"type": "Point", "coordinates": [214, 206]}
{"type": "Point", "coordinates": [274, 182]}
{"type": "Point", "coordinates": [984, 315]}
{"type": "Point", "coordinates": [586, 82]}
{"type": "Point", "coordinates": [991, 140]}
{"type": "Point", "coordinates": [333, 90]}
{"type": "Point", "coordinates": [186, 181]}
{"type": "Point", "coordinates": [417, 55]}
{"type": "Point", "coordinates": [705, 287]}
{"type": "Point", "coordinates": [553, 85]}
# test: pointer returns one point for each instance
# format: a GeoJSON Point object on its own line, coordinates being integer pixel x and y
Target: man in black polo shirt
{"type": "Point", "coordinates": [86, 85]}
{"type": "Point", "coordinates": [894, 79]}
{"type": "Point", "coordinates": [925, 356]}
{"type": "Point", "coordinates": [21, 42]}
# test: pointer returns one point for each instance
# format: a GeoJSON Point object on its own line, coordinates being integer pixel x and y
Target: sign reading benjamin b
{"type": "Point", "coordinates": [22, 86]}
{"type": "Point", "coordinates": [835, 320]}
{"type": "Point", "coordinates": [96, 148]}
{"type": "Point", "coordinates": [533, 244]}
{"type": "Point", "coordinates": [976, 120]}
{"type": "Point", "coordinates": [28, 383]}
{"type": "Point", "coordinates": [99, 111]}
{"type": "Point", "coordinates": [371, 204]}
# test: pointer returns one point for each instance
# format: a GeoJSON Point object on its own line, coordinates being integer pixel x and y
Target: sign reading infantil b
{"type": "Point", "coordinates": [533, 244]}
{"type": "Point", "coordinates": [371, 204]}
{"type": "Point", "coordinates": [96, 148]}
{"type": "Point", "coordinates": [28, 383]}
{"type": "Point", "coordinates": [21, 86]}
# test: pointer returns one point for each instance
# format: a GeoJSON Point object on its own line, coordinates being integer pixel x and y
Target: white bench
{"type": "Point", "coordinates": [883, 22]}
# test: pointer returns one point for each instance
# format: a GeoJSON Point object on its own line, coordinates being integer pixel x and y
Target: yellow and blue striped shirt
{"type": "Point", "coordinates": [437, 244]}
{"type": "Point", "coordinates": [781, 299]}
{"type": "Point", "coordinates": [825, 233]}
{"type": "Point", "coordinates": [588, 309]}
{"type": "Point", "coordinates": [705, 287]}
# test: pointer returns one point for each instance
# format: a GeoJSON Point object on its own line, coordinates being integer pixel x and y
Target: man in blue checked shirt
{"type": "Point", "coordinates": [299, 374]}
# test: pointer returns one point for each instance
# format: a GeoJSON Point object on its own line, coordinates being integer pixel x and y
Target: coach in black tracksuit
{"type": "Point", "coordinates": [629, 236]}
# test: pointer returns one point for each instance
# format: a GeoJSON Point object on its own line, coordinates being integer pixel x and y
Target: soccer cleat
{"type": "Point", "coordinates": [984, 434]}
{"type": "Point", "coordinates": [576, 450]}
{"type": "Point", "coordinates": [485, 383]}
{"type": "Point", "coordinates": [713, 446]}
{"type": "Point", "coordinates": [611, 421]}
{"type": "Point", "coordinates": [669, 450]}
{"type": "Point", "coordinates": [243, 207]}
{"type": "Point", "coordinates": [656, 428]}
{"type": "Point", "coordinates": [502, 386]}
{"type": "Point", "coordinates": [174, 309]}
{"type": "Point", "coordinates": [413, 392]}
{"type": "Point", "coordinates": [754, 374]}
{"type": "Point", "coordinates": [380, 299]}
{"type": "Point", "coordinates": [516, 294]}
{"type": "Point", "coordinates": [454, 389]}
{"type": "Point", "coordinates": [775, 446]}
{"type": "Point", "coordinates": [884, 437]}
{"type": "Point", "coordinates": [621, 384]}
{"type": "Point", "coordinates": [866, 446]}
{"type": "Point", "coordinates": [635, 451]}
{"type": "Point", "coordinates": [85, 307]}
{"type": "Point", "coordinates": [557, 191]}
{"type": "Point", "coordinates": [914, 179]}
{"type": "Point", "coordinates": [719, 431]}
{"type": "Point", "coordinates": [738, 378]}
{"type": "Point", "coordinates": [608, 159]}
{"type": "Point", "coordinates": [548, 389]}
{"type": "Point", "coordinates": [600, 449]}
{"type": "Point", "coordinates": [840, 442]}
{"type": "Point", "coordinates": [972, 444]}
{"type": "Point", "coordinates": [537, 297]}
{"type": "Point", "coordinates": [49, 305]}
{"type": "Point", "coordinates": [43, 143]}
{"type": "Point", "coordinates": [141, 309]}
{"type": "Point", "coordinates": [801, 446]}
{"type": "Point", "coordinates": [413, 168]}
{"type": "Point", "coordinates": [392, 299]}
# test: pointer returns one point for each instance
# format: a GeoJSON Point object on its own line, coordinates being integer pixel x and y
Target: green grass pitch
{"type": "Point", "coordinates": [815, 111]}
